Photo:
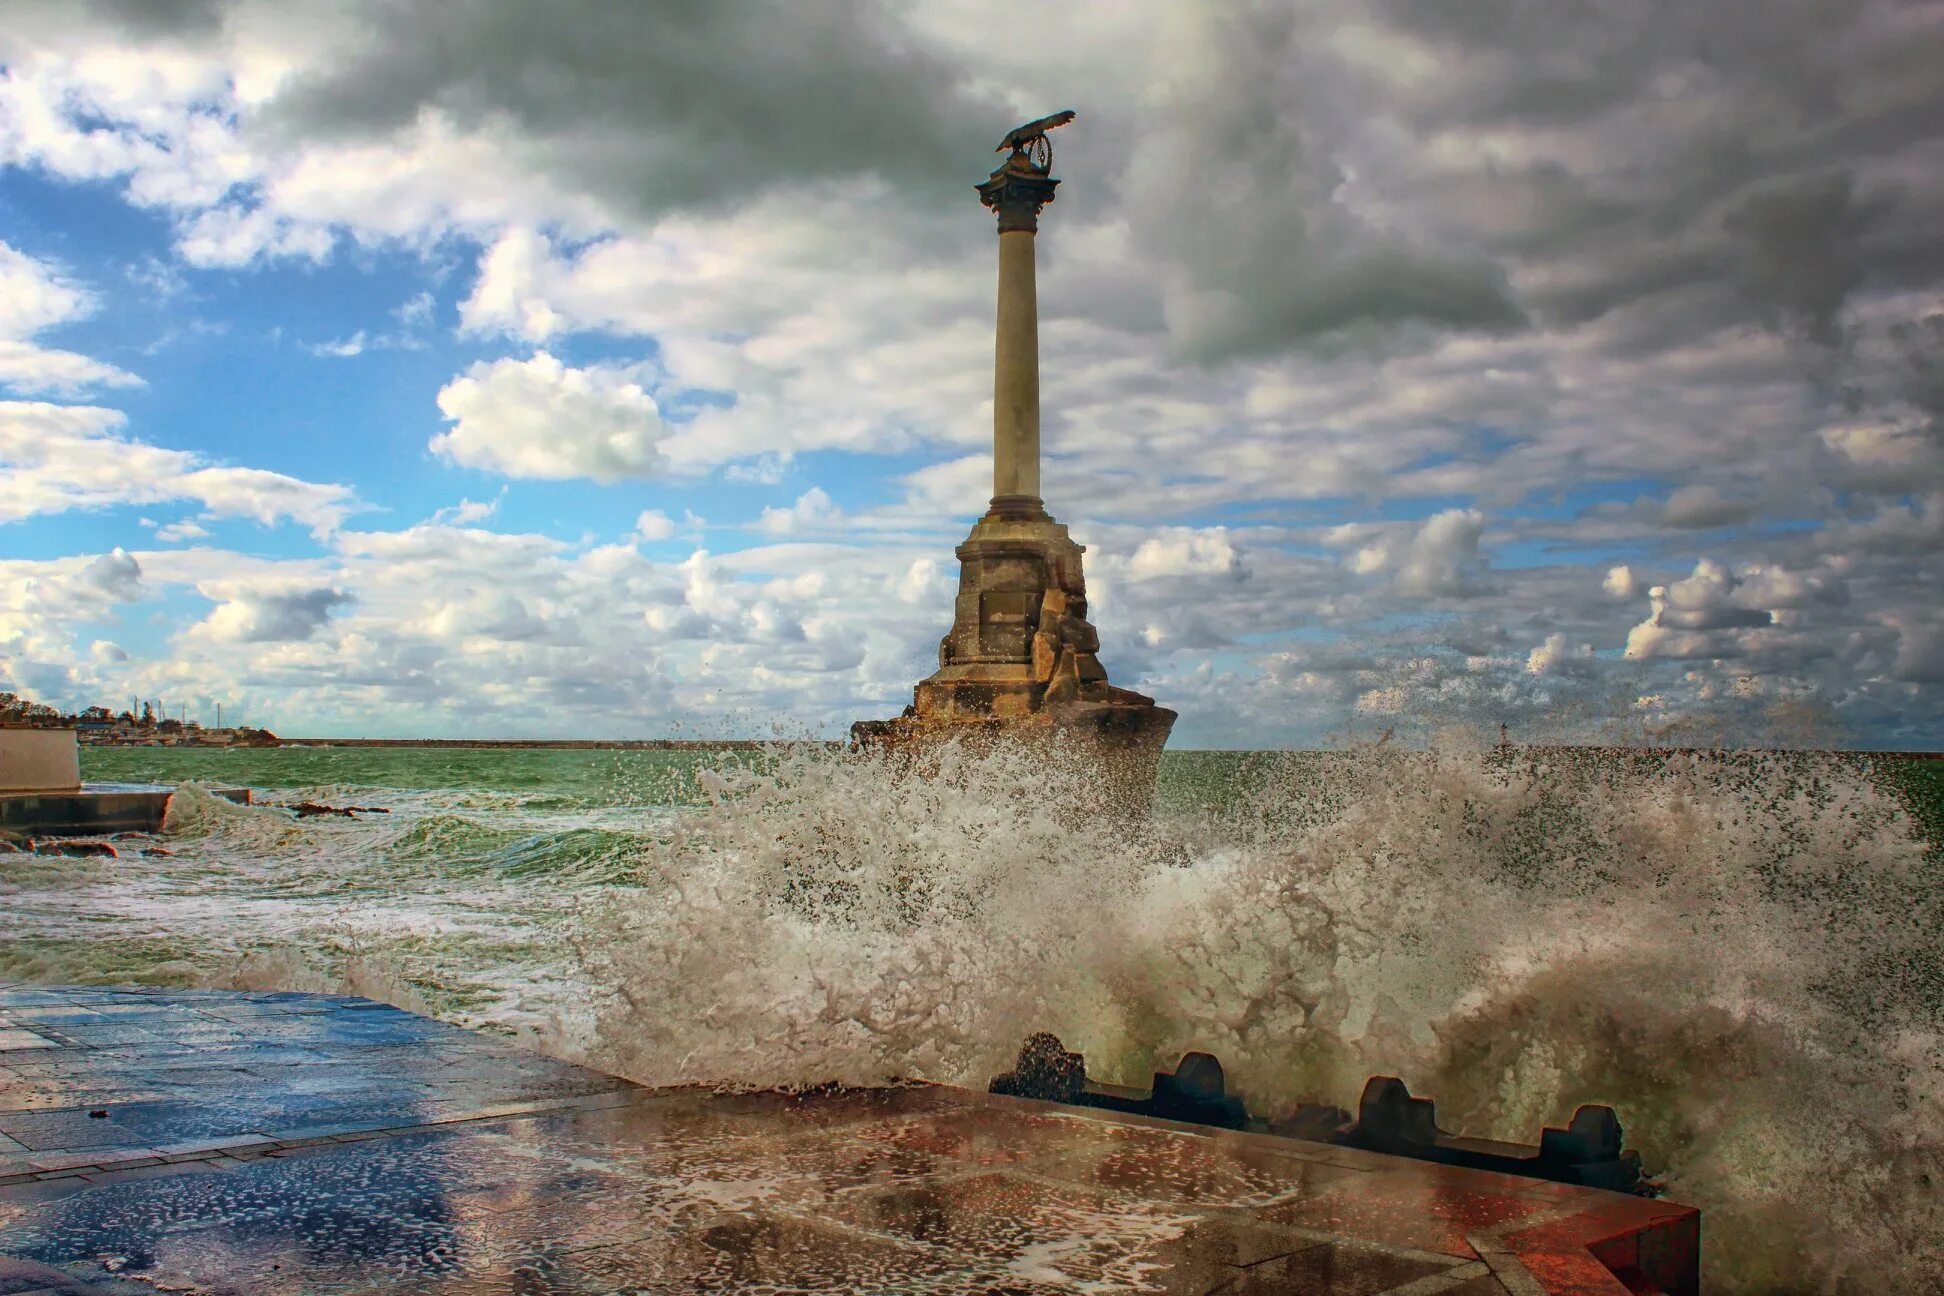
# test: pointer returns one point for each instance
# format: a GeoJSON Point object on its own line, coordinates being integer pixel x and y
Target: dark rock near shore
{"type": "Point", "coordinates": [311, 809]}
{"type": "Point", "coordinates": [79, 849]}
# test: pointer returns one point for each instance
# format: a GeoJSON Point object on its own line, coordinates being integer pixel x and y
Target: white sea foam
{"type": "Point", "coordinates": [1730, 950]}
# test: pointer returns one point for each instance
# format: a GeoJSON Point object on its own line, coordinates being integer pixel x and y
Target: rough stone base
{"type": "Point", "coordinates": [1117, 744]}
{"type": "Point", "coordinates": [1020, 663]}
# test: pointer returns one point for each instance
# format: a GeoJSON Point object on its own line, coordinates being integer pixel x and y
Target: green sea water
{"type": "Point", "coordinates": [1742, 954]}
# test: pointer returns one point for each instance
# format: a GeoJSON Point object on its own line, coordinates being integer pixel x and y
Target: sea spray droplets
{"type": "Point", "coordinates": [1687, 938]}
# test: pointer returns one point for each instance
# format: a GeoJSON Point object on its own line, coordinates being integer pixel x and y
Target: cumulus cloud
{"type": "Point", "coordinates": [540, 418]}
{"type": "Point", "coordinates": [1183, 551]}
{"type": "Point", "coordinates": [181, 529]}
{"type": "Point", "coordinates": [260, 613]}
{"type": "Point", "coordinates": [117, 575]}
{"type": "Point", "coordinates": [35, 297]}
{"type": "Point", "coordinates": [61, 457]}
{"type": "Point", "coordinates": [814, 510]}
{"type": "Point", "coordinates": [1920, 652]}
{"type": "Point", "coordinates": [1436, 559]}
{"type": "Point", "coordinates": [1556, 656]}
{"type": "Point", "coordinates": [1698, 506]}
{"type": "Point", "coordinates": [653, 525]}
{"type": "Point", "coordinates": [490, 614]}
{"type": "Point", "coordinates": [1703, 615]}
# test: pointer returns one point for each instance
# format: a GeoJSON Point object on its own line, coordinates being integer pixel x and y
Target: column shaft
{"type": "Point", "coordinates": [1015, 383]}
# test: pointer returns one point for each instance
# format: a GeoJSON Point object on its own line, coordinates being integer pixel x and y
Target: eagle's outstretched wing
{"type": "Point", "coordinates": [1021, 134]}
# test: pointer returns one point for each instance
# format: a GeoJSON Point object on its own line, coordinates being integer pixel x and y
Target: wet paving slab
{"type": "Point", "coordinates": [212, 1142]}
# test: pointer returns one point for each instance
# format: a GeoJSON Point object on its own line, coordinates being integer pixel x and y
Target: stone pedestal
{"type": "Point", "coordinates": [1021, 664]}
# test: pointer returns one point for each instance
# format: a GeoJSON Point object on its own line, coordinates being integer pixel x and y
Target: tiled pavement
{"type": "Point", "coordinates": [212, 1142]}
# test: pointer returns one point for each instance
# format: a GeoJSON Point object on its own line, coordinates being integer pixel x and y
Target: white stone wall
{"type": "Point", "coordinates": [38, 760]}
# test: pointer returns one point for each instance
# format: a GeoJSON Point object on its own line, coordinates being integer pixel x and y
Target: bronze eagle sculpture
{"type": "Point", "coordinates": [1022, 136]}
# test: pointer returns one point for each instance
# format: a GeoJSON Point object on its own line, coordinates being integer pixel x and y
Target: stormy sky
{"type": "Point", "coordinates": [492, 368]}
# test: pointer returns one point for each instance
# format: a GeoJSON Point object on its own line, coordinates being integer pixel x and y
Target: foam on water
{"type": "Point", "coordinates": [1736, 952]}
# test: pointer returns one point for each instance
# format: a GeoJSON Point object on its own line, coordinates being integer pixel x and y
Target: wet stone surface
{"type": "Point", "coordinates": [318, 1144]}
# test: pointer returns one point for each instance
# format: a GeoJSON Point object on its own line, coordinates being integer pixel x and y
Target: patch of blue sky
{"type": "Point", "coordinates": [586, 349]}
{"type": "Point", "coordinates": [77, 222]}
{"type": "Point", "coordinates": [144, 628]}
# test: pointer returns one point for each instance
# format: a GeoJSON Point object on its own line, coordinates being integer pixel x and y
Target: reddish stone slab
{"type": "Point", "coordinates": [352, 1147]}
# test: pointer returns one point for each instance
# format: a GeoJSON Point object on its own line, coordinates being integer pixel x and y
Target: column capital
{"type": "Point", "coordinates": [1017, 191]}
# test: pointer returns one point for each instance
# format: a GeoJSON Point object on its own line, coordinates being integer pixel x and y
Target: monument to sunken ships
{"type": "Point", "coordinates": [1022, 661]}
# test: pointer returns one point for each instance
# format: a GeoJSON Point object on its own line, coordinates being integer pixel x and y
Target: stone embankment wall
{"type": "Point", "coordinates": [38, 760]}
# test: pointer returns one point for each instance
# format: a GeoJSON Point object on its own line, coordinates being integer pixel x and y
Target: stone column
{"type": "Point", "coordinates": [1016, 192]}
{"type": "Point", "coordinates": [1015, 373]}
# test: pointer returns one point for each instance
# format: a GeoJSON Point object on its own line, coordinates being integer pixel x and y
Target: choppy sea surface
{"type": "Point", "coordinates": [1742, 954]}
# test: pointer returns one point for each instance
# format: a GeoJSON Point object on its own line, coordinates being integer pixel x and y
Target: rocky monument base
{"type": "Point", "coordinates": [1021, 664]}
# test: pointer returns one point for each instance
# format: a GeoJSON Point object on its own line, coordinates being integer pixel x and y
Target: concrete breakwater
{"type": "Point", "coordinates": [271, 1142]}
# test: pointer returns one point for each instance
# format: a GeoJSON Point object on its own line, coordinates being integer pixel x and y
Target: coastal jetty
{"type": "Point", "coordinates": [42, 795]}
{"type": "Point", "coordinates": [203, 1140]}
{"type": "Point", "coordinates": [1021, 661]}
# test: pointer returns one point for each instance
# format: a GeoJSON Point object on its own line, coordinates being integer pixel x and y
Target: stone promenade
{"type": "Point", "coordinates": [215, 1142]}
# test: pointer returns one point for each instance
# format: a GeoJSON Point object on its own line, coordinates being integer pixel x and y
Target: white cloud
{"type": "Point", "coordinates": [274, 612]}
{"type": "Point", "coordinates": [1620, 583]}
{"type": "Point", "coordinates": [61, 457]}
{"type": "Point", "coordinates": [269, 497]}
{"type": "Point", "coordinates": [416, 311]}
{"type": "Point", "coordinates": [35, 297]}
{"type": "Point", "coordinates": [342, 349]}
{"type": "Point", "coordinates": [1183, 551]}
{"type": "Point", "coordinates": [1437, 559]}
{"type": "Point", "coordinates": [1556, 656]}
{"type": "Point", "coordinates": [654, 525]}
{"type": "Point", "coordinates": [813, 511]}
{"type": "Point", "coordinates": [540, 418]}
{"type": "Point", "coordinates": [182, 529]}
{"type": "Point", "coordinates": [1704, 615]}
{"type": "Point", "coordinates": [468, 511]}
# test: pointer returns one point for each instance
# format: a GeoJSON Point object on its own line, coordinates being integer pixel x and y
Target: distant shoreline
{"type": "Point", "coordinates": [547, 744]}
{"type": "Point", "coordinates": [760, 744]}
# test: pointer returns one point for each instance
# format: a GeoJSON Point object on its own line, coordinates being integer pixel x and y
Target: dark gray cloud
{"type": "Point", "coordinates": [1236, 189]}
{"type": "Point", "coordinates": [1659, 147]}
{"type": "Point", "coordinates": [652, 108]}
{"type": "Point", "coordinates": [1799, 254]}
{"type": "Point", "coordinates": [156, 17]}
{"type": "Point", "coordinates": [116, 575]}
{"type": "Point", "coordinates": [273, 615]}
{"type": "Point", "coordinates": [1920, 367]}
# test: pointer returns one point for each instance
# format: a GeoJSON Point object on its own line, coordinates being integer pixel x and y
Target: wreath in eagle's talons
{"type": "Point", "coordinates": [1030, 147]}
